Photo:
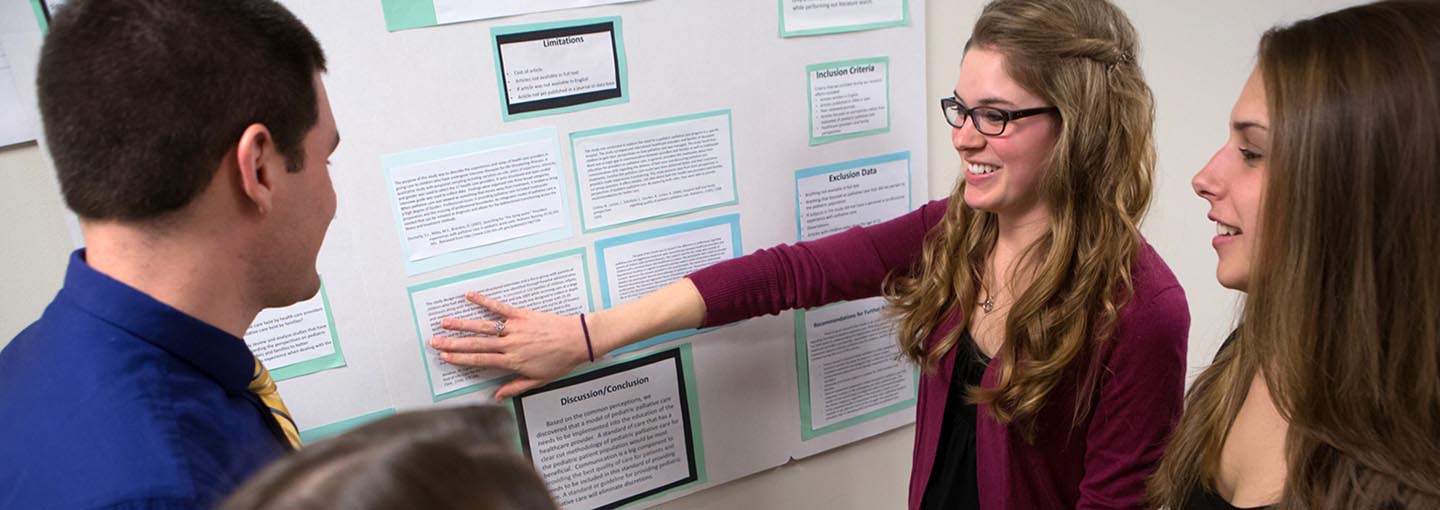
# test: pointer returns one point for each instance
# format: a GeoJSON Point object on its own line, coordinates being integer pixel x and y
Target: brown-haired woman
{"type": "Point", "coordinates": [1328, 395]}
{"type": "Point", "coordinates": [1051, 336]}
{"type": "Point", "coordinates": [460, 458]}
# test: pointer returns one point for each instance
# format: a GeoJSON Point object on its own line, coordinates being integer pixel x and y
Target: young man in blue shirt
{"type": "Point", "coordinates": [192, 140]}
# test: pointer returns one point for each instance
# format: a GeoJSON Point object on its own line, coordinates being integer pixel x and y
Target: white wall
{"type": "Point", "coordinates": [33, 239]}
{"type": "Point", "coordinates": [1196, 56]}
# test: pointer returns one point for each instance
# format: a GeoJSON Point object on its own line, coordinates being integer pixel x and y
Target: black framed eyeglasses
{"type": "Point", "coordinates": [988, 121]}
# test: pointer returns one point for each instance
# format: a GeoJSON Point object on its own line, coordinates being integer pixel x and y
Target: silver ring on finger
{"type": "Point", "coordinates": [499, 327]}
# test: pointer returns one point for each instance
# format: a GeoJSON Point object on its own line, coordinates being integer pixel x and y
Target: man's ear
{"type": "Point", "coordinates": [259, 162]}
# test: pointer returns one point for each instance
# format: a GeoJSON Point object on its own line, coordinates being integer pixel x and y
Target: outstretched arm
{"type": "Point", "coordinates": [540, 347]}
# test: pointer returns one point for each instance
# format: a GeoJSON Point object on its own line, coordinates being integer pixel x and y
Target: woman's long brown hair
{"type": "Point", "coordinates": [1343, 316]}
{"type": "Point", "coordinates": [1079, 55]}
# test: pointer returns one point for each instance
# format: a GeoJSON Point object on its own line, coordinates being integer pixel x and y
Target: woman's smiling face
{"type": "Point", "coordinates": [1234, 184]}
{"type": "Point", "coordinates": [1002, 172]}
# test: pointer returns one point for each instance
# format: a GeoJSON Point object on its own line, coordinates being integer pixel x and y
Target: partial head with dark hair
{"type": "Point", "coordinates": [457, 458]}
{"type": "Point", "coordinates": [142, 99]}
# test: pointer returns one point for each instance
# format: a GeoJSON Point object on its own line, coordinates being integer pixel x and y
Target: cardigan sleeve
{"type": "Point", "coordinates": [1140, 398]}
{"type": "Point", "coordinates": [844, 266]}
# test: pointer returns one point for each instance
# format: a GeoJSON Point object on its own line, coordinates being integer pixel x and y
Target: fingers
{"type": "Point", "coordinates": [478, 360]}
{"type": "Point", "coordinates": [473, 344]}
{"type": "Point", "coordinates": [483, 327]}
{"type": "Point", "coordinates": [516, 387]}
{"type": "Point", "coordinates": [505, 311]}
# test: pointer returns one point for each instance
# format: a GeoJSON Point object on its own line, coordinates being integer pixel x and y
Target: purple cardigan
{"type": "Point", "coordinates": [1101, 462]}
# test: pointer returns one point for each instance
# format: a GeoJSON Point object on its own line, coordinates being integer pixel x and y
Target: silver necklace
{"type": "Point", "coordinates": [989, 303]}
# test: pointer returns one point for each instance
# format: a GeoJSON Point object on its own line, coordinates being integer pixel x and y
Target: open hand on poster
{"type": "Point", "coordinates": [541, 347]}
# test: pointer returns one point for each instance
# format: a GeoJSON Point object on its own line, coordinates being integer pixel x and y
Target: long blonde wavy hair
{"type": "Point", "coordinates": [1343, 314]}
{"type": "Point", "coordinates": [1079, 55]}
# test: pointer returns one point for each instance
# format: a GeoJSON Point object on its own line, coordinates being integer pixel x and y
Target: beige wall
{"type": "Point", "coordinates": [35, 241]}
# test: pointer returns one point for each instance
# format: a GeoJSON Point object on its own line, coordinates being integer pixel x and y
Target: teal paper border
{"type": "Point", "coordinates": [575, 165]}
{"type": "Point", "coordinates": [810, 93]}
{"type": "Point", "coordinates": [391, 162]}
{"type": "Point", "coordinates": [40, 16]}
{"type": "Point", "coordinates": [733, 220]}
{"type": "Point", "coordinates": [692, 398]}
{"type": "Point", "coordinates": [620, 62]}
{"type": "Point", "coordinates": [903, 21]}
{"type": "Point", "coordinates": [312, 435]}
{"type": "Point", "coordinates": [420, 336]}
{"type": "Point", "coordinates": [519, 444]}
{"type": "Point", "coordinates": [848, 165]}
{"type": "Point", "coordinates": [802, 369]}
{"type": "Point", "coordinates": [408, 14]}
{"type": "Point", "coordinates": [332, 360]}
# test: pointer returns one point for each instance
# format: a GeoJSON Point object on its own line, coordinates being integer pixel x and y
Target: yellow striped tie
{"type": "Point", "coordinates": [264, 387]}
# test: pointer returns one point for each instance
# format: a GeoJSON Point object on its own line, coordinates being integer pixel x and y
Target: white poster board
{"type": "Point", "coordinates": [716, 74]}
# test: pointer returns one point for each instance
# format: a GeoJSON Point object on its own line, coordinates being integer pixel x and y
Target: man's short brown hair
{"type": "Point", "coordinates": [141, 99]}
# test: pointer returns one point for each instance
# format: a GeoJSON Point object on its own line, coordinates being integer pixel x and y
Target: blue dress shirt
{"type": "Point", "coordinates": [115, 400]}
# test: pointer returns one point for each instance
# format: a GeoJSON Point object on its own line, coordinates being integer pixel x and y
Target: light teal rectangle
{"type": "Point", "coordinates": [617, 37]}
{"type": "Point", "coordinates": [40, 16]}
{"type": "Point", "coordinates": [575, 165]}
{"type": "Point", "coordinates": [309, 436]}
{"type": "Point", "coordinates": [809, 83]}
{"type": "Point", "coordinates": [518, 443]}
{"type": "Point", "coordinates": [407, 14]}
{"type": "Point", "coordinates": [802, 356]}
{"type": "Point", "coordinates": [802, 369]}
{"type": "Point", "coordinates": [697, 437]}
{"type": "Point", "coordinates": [903, 21]}
{"type": "Point", "coordinates": [733, 220]}
{"type": "Point", "coordinates": [391, 162]}
{"type": "Point", "coordinates": [847, 165]}
{"type": "Point", "coordinates": [420, 335]}
{"type": "Point", "coordinates": [329, 361]}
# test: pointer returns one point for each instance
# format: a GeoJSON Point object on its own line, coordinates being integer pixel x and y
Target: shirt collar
{"type": "Point", "coordinates": [218, 354]}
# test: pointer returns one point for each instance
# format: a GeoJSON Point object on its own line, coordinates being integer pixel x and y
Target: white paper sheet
{"type": "Point", "coordinates": [479, 199]}
{"type": "Point", "coordinates": [15, 125]}
{"type": "Point", "coordinates": [654, 169]}
{"type": "Point", "coordinates": [555, 286]}
{"type": "Point", "coordinates": [852, 196]}
{"type": "Point", "coordinates": [638, 268]}
{"type": "Point", "coordinates": [855, 366]}
{"type": "Point", "coordinates": [557, 67]}
{"type": "Point", "coordinates": [281, 337]}
{"type": "Point", "coordinates": [822, 15]}
{"type": "Point", "coordinates": [849, 99]}
{"type": "Point", "coordinates": [455, 11]}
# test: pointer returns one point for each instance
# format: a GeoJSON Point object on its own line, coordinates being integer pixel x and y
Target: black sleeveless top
{"type": "Point", "coordinates": [1201, 498]}
{"type": "Point", "coordinates": [952, 483]}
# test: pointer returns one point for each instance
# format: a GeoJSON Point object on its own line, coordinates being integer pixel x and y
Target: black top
{"type": "Point", "coordinates": [952, 483]}
{"type": "Point", "coordinates": [1201, 498]}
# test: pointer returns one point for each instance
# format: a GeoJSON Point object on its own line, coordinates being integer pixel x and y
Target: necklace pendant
{"type": "Point", "coordinates": [988, 304]}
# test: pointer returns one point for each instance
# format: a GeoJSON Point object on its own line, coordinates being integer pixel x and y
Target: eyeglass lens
{"type": "Point", "coordinates": [988, 121]}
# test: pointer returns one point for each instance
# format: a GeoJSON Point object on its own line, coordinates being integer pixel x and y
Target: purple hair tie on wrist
{"type": "Point", "coordinates": [586, 329]}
